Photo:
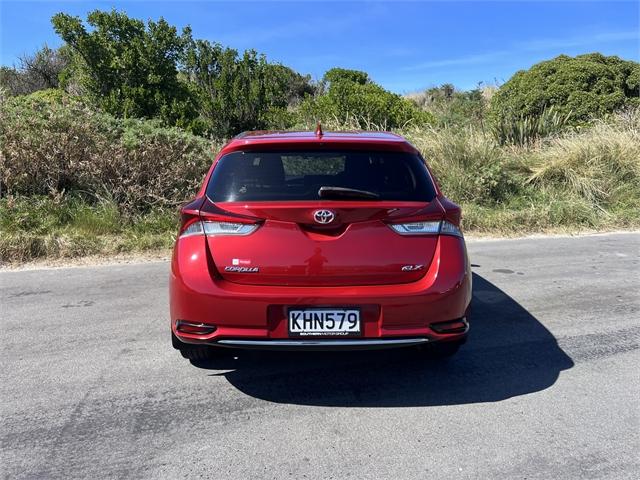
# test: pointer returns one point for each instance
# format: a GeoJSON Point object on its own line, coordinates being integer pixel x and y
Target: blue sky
{"type": "Point", "coordinates": [405, 46]}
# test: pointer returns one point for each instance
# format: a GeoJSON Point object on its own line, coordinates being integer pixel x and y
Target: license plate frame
{"type": "Point", "coordinates": [325, 314]}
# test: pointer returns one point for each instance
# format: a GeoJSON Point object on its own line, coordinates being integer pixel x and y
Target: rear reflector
{"type": "Point", "coordinates": [194, 328]}
{"type": "Point", "coordinates": [452, 326]}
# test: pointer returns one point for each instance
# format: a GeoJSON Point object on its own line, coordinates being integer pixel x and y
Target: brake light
{"type": "Point", "coordinates": [427, 228]}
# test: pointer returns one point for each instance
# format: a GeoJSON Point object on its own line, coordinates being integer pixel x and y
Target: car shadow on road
{"type": "Point", "coordinates": [509, 353]}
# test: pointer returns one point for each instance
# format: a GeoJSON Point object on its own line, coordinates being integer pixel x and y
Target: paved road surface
{"type": "Point", "coordinates": [547, 386]}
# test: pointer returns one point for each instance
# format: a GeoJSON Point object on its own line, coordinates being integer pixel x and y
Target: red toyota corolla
{"type": "Point", "coordinates": [319, 241]}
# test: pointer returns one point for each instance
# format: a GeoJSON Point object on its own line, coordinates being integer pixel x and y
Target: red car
{"type": "Point", "coordinates": [319, 241]}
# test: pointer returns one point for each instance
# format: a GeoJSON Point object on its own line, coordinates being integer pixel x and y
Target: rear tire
{"type": "Point", "coordinates": [195, 352]}
{"type": "Point", "coordinates": [199, 353]}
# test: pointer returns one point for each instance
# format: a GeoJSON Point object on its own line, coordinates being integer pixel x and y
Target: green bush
{"type": "Point", "coordinates": [582, 87]}
{"type": "Point", "coordinates": [526, 130]}
{"type": "Point", "coordinates": [52, 146]}
{"type": "Point", "coordinates": [349, 96]}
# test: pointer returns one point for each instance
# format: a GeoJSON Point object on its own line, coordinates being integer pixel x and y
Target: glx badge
{"type": "Point", "coordinates": [412, 268]}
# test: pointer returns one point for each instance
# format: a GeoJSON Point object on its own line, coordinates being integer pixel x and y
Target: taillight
{"type": "Point", "coordinates": [228, 228]}
{"type": "Point", "coordinates": [218, 228]}
{"type": "Point", "coordinates": [416, 228]}
{"type": "Point", "coordinates": [201, 217]}
{"type": "Point", "coordinates": [427, 228]}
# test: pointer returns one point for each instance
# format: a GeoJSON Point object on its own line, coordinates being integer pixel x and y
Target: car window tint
{"type": "Point", "coordinates": [294, 176]}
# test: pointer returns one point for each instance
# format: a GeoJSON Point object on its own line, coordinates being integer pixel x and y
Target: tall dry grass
{"type": "Point", "coordinates": [600, 164]}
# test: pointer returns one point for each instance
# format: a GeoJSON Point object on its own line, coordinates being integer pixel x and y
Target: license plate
{"type": "Point", "coordinates": [324, 321]}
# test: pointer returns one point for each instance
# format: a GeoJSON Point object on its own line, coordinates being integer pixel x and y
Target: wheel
{"type": "Point", "coordinates": [442, 349]}
{"type": "Point", "coordinates": [195, 352]}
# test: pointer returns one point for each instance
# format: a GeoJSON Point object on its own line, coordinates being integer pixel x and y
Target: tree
{"type": "Point", "coordinates": [39, 71]}
{"type": "Point", "coordinates": [127, 68]}
{"type": "Point", "coordinates": [581, 87]}
{"type": "Point", "coordinates": [239, 92]}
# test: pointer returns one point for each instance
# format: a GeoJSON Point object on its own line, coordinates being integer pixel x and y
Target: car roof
{"type": "Point", "coordinates": [300, 139]}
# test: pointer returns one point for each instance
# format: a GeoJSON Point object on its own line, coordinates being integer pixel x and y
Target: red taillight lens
{"type": "Point", "coordinates": [194, 328]}
{"type": "Point", "coordinates": [426, 228]}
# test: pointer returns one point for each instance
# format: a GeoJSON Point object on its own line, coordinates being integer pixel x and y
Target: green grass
{"type": "Point", "coordinates": [40, 227]}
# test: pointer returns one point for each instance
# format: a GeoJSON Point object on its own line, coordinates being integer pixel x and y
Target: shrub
{"type": "Point", "coordinates": [526, 130]}
{"type": "Point", "coordinates": [349, 96]}
{"type": "Point", "coordinates": [452, 107]}
{"type": "Point", "coordinates": [582, 87]}
{"type": "Point", "coordinates": [49, 147]}
{"type": "Point", "coordinates": [236, 92]}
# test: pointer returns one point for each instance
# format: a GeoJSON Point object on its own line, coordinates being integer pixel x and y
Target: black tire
{"type": "Point", "coordinates": [195, 352]}
{"type": "Point", "coordinates": [442, 349]}
{"type": "Point", "coordinates": [199, 353]}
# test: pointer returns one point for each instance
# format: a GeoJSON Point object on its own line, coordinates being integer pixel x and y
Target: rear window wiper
{"type": "Point", "coordinates": [342, 192]}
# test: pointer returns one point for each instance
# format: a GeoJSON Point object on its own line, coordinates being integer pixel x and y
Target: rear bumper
{"type": "Point", "coordinates": [253, 316]}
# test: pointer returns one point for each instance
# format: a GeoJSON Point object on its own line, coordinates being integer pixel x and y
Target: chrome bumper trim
{"type": "Point", "coordinates": [372, 343]}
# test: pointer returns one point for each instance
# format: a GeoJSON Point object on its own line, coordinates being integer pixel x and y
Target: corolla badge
{"type": "Point", "coordinates": [237, 269]}
{"type": "Point", "coordinates": [324, 216]}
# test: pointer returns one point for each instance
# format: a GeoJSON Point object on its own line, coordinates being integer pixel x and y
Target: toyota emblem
{"type": "Point", "coordinates": [324, 216]}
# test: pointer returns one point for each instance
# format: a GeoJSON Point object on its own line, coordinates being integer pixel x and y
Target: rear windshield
{"type": "Point", "coordinates": [299, 175]}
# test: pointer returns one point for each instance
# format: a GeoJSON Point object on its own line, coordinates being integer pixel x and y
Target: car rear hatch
{"type": "Point", "coordinates": [320, 218]}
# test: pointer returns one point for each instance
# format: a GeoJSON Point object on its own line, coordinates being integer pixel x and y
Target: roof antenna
{"type": "Point", "coordinates": [319, 131]}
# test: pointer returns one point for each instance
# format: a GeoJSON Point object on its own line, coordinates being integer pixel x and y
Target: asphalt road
{"type": "Point", "coordinates": [547, 386]}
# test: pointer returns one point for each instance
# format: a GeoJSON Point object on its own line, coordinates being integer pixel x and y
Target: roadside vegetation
{"type": "Point", "coordinates": [102, 139]}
